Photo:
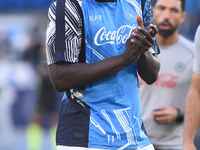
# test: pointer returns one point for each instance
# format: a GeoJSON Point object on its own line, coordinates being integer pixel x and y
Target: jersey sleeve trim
{"type": "Point", "coordinates": [64, 32]}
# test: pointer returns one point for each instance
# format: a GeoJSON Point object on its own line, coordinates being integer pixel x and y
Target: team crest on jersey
{"type": "Point", "coordinates": [130, 14]}
{"type": "Point", "coordinates": [180, 66]}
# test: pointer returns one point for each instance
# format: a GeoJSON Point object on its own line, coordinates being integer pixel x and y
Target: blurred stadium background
{"type": "Point", "coordinates": [28, 103]}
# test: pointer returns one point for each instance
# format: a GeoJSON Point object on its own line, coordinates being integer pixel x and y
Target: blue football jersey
{"type": "Point", "coordinates": [105, 114]}
{"type": "Point", "coordinates": [115, 117]}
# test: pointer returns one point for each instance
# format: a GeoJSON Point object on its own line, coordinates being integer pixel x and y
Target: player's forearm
{"type": "Point", "coordinates": [148, 67]}
{"type": "Point", "coordinates": [66, 76]}
{"type": "Point", "coordinates": [191, 122]}
{"type": "Point", "coordinates": [192, 113]}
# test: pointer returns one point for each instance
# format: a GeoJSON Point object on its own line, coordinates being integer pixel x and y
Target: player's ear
{"type": "Point", "coordinates": [183, 16]}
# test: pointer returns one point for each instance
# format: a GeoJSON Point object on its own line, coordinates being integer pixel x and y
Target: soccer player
{"type": "Point", "coordinates": [95, 48]}
{"type": "Point", "coordinates": [163, 103]}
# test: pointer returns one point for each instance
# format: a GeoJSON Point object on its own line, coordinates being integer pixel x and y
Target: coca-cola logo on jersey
{"type": "Point", "coordinates": [113, 37]}
{"type": "Point", "coordinates": [166, 80]}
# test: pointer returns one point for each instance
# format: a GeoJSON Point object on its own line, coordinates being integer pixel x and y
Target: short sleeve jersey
{"type": "Point", "coordinates": [105, 114]}
{"type": "Point", "coordinates": [196, 66]}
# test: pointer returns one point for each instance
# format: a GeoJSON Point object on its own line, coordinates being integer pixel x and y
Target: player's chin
{"type": "Point", "coordinates": [165, 33]}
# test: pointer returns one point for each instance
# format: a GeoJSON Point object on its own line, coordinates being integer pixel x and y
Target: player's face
{"type": "Point", "coordinates": [167, 15]}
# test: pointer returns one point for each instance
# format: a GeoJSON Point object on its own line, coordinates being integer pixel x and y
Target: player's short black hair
{"type": "Point", "coordinates": [153, 2]}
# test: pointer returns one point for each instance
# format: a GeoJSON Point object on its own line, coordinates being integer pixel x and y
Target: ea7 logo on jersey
{"type": "Point", "coordinates": [94, 18]}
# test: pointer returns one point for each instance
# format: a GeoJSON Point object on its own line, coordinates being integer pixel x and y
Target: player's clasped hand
{"type": "Point", "coordinates": [144, 36]}
{"type": "Point", "coordinates": [140, 40]}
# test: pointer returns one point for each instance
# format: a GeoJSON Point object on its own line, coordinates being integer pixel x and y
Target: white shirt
{"type": "Point", "coordinates": [196, 66]}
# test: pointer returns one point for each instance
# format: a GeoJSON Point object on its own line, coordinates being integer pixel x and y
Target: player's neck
{"type": "Point", "coordinates": [166, 41]}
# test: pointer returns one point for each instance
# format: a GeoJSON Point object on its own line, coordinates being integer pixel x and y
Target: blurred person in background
{"type": "Point", "coordinates": [18, 91]}
{"type": "Point", "coordinates": [192, 113]}
{"type": "Point", "coordinates": [6, 123]}
{"type": "Point", "coordinates": [32, 53]}
{"type": "Point", "coordinates": [44, 118]}
{"type": "Point", "coordinates": [163, 103]}
{"type": "Point", "coordinates": [28, 121]}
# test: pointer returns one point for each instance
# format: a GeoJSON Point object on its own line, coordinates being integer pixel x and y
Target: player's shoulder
{"type": "Point", "coordinates": [197, 34]}
{"type": "Point", "coordinates": [143, 2]}
{"type": "Point", "coordinates": [67, 3]}
{"type": "Point", "coordinates": [186, 43]}
{"type": "Point", "coordinates": [198, 29]}
{"type": "Point", "coordinates": [69, 8]}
